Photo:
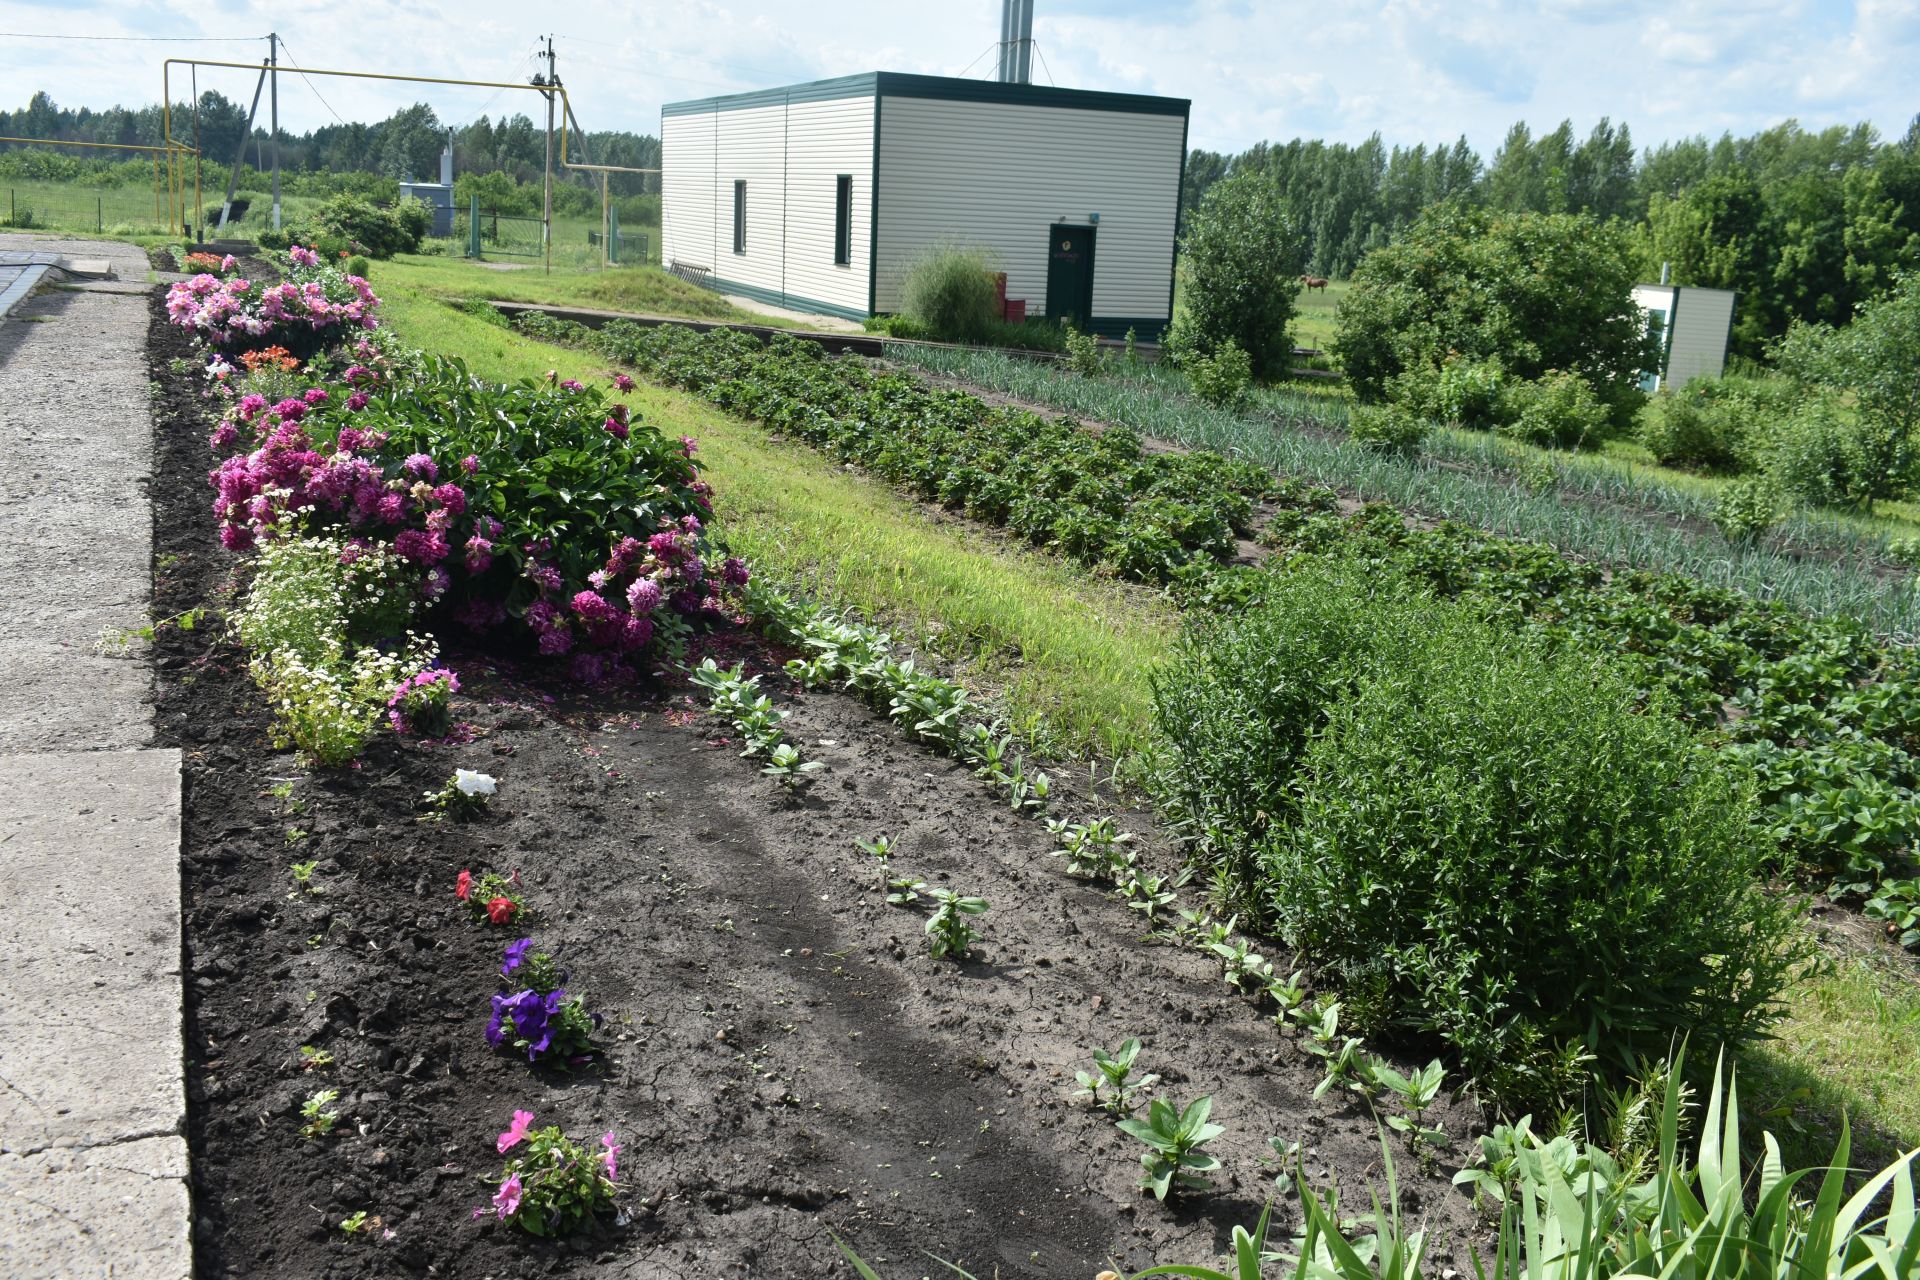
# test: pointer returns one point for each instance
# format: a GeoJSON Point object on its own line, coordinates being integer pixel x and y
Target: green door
{"type": "Point", "coordinates": [1070, 275]}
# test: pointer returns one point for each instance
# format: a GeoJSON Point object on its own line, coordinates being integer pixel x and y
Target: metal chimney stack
{"type": "Point", "coordinates": [1016, 41]}
{"type": "Point", "coordinates": [446, 162]}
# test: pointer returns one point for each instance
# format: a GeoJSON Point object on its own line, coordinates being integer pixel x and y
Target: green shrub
{"type": "Point", "coordinates": [358, 266]}
{"type": "Point", "coordinates": [1083, 353]}
{"type": "Point", "coordinates": [1536, 292]}
{"type": "Point", "coordinates": [352, 224]}
{"type": "Point", "coordinates": [950, 293]}
{"type": "Point", "coordinates": [1389, 428]}
{"type": "Point", "coordinates": [1558, 410]}
{"type": "Point", "coordinates": [1032, 335]}
{"type": "Point", "coordinates": [1241, 259]}
{"type": "Point", "coordinates": [1818, 456]}
{"type": "Point", "coordinates": [1503, 849]}
{"type": "Point", "coordinates": [1748, 508]}
{"type": "Point", "coordinates": [1471, 393]}
{"type": "Point", "coordinates": [1223, 378]}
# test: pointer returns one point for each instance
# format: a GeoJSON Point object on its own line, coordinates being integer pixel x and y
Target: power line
{"type": "Point", "coordinates": [43, 35]}
{"type": "Point", "coordinates": [303, 75]}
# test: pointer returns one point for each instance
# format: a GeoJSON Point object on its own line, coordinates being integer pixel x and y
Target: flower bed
{"type": "Point", "coordinates": [314, 305]}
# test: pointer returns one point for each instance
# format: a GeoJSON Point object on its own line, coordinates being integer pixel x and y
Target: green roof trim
{"type": "Point", "coordinates": [891, 84]}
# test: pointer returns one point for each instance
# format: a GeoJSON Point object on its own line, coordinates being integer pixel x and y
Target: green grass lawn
{"type": "Point", "coordinates": [65, 206]}
{"type": "Point", "coordinates": [1066, 653]}
{"type": "Point", "coordinates": [647, 290]}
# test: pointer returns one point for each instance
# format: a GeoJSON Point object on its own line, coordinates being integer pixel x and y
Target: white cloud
{"type": "Point", "coordinates": [1412, 70]}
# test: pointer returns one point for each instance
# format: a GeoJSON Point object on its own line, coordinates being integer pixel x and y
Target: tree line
{"type": "Point", "coordinates": [404, 146]}
{"type": "Point", "coordinates": [1806, 225]}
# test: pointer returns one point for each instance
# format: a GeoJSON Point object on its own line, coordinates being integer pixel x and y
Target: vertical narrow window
{"type": "Point", "coordinates": [843, 220]}
{"type": "Point", "coordinates": [740, 215]}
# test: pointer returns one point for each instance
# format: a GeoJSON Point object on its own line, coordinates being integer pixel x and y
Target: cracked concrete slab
{"type": "Point", "coordinates": [93, 1158]}
{"type": "Point", "coordinates": [118, 1211]}
{"type": "Point", "coordinates": [76, 536]}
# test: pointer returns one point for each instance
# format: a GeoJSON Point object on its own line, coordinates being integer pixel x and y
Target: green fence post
{"type": "Point", "coordinates": [473, 227]}
{"type": "Point", "coordinates": [613, 235]}
{"type": "Point", "coordinates": [100, 213]}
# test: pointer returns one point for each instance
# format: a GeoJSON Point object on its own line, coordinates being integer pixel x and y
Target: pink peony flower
{"type": "Point", "coordinates": [357, 401]}
{"type": "Point", "coordinates": [419, 464]}
{"type": "Point", "coordinates": [643, 597]}
{"type": "Point", "coordinates": [470, 464]}
{"type": "Point", "coordinates": [625, 383]}
{"type": "Point", "coordinates": [592, 606]}
{"type": "Point", "coordinates": [555, 642]}
{"type": "Point", "coordinates": [615, 428]}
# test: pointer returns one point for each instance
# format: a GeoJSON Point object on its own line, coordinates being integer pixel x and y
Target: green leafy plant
{"type": "Point", "coordinates": [1897, 902]}
{"type": "Point", "coordinates": [303, 877]}
{"type": "Point", "coordinates": [904, 891]}
{"type": "Point", "coordinates": [1240, 262]}
{"type": "Point", "coordinates": [880, 847]}
{"type": "Point", "coordinates": [1114, 1073]}
{"type": "Point", "coordinates": [1174, 1138]}
{"type": "Point", "coordinates": [1749, 508]}
{"type": "Point", "coordinates": [553, 1185]}
{"type": "Point", "coordinates": [948, 931]}
{"type": "Point", "coordinates": [1149, 895]}
{"type": "Point", "coordinates": [1416, 1092]}
{"type": "Point", "coordinates": [320, 1120]}
{"type": "Point", "coordinates": [1083, 353]}
{"type": "Point", "coordinates": [1094, 850]}
{"type": "Point", "coordinates": [1222, 378]}
{"type": "Point", "coordinates": [786, 767]}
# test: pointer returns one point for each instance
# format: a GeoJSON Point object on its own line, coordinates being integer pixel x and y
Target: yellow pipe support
{"type": "Point", "coordinates": [166, 101]}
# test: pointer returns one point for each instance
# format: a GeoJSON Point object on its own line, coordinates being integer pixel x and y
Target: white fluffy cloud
{"type": "Point", "coordinates": [1255, 69]}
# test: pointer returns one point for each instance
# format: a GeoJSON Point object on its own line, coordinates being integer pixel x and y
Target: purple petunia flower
{"type": "Point", "coordinates": [515, 955]}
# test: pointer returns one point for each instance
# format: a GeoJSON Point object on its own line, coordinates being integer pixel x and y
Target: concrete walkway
{"type": "Point", "coordinates": [93, 1156]}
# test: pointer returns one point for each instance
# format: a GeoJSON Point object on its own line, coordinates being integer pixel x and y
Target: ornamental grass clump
{"type": "Point", "coordinates": [1510, 849]}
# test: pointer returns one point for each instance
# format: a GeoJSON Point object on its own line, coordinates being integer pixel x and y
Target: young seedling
{"type": "Point", "coordinates": [1148, 894]}
{"type": "Point", "coordinates": [319, 1120]}
{"type": "Point", "coordinates": [1173, 1158]}
{"type": "Point", "coordinates": [1345, 1057]}
{"type": "Point", "coordinates": [1114, 1071]}
{"type": "Point", "coordinates": [985, 752]}
{"type": "Point", "coordinates": [947, 927]}
{"type": "Point", "coordinates": [880, 847]}
{"type": "Point", "coordinates": [904, 890]}
{"type": "Point", "coordinates": [1289, 993]}
{"type": "Point", "coordinates": [1093, 850]}
{"type": "Point", "coordinates": [787, 768]}
{"type": "Point", "coordinates": [1416, 1093]}
{"type": "Point", "coordinates": [312, 1059]}
{"type": "Point", "coordinates": [303, 877]}
{"type": "Point", "coordinates": [1246, 970]}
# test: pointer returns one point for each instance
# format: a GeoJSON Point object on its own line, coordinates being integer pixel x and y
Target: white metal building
{"type": "Point", "coordinates": [1693, 325]}
{"type": "Point", "coordinates": [820, 196]}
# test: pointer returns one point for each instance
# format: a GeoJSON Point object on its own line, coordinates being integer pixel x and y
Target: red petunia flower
{"type": "Point", "coordinates": [463, 887]}
{"type": "Point", "coordinates": [500, 910]}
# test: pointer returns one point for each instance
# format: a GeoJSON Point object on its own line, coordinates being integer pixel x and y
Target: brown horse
{"type": "Point", "coordinates": [1314, 282]}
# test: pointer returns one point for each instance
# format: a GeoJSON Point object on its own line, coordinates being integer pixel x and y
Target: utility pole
{"type": "Point", "coordinates": [273, 61]}
{"type": "Point", "coordinates": [552, 81]}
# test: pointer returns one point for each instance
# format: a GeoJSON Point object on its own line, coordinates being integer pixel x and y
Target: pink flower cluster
{"type": "Point", "coordinates": [618, 614]}
{"type": "Point", "coordinates": [318, 298]}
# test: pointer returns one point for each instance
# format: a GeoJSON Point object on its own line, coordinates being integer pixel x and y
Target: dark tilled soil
{"type": "Point", "coordinates": [783, 1060]}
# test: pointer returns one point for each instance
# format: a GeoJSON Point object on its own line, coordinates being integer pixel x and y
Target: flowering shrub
{"type": "Point", "coordinates": [493, 897]}
{"type": "Point", "coordinates": [539, 503]}
{"type": "Point", "coordinates": [315, 609]}
{"type": "Point", "coordinates": [466, 795]}
{"type": "Point", "coordinates": [313, 303]}
{"type": "Point", "coordinates": [554, 1185]}
{"type": "Point", "coordinates": [422, 703]}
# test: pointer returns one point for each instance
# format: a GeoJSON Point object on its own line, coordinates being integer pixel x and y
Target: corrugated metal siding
{"type": "Point", "coordinates": [824, 140]}
{"type": "Point", "coordinates": [789, 157]}
{"type": "Point", "coordinates": [686, 190]}
{"type": "Point", "coordinates": [998, 175]}
{"type": "Point", "coordinates": [1701, 319]}
{"type": "Point", "coordinates": [750, 145]}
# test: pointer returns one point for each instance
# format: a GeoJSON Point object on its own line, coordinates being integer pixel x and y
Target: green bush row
{"type": "Point", "coordinates": [353, 224]}
{"type": "Point", "coordinates": [1099, 498]}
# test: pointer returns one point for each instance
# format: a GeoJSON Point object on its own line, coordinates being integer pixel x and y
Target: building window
{"type": "Point", "coordinates": [740, 216]}
{"type": "Point", "coordinates": [843, 220]}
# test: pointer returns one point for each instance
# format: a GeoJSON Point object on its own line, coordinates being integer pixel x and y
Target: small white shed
{"type": "Point", "coordinates": [1693, 325]}
{"type": "Point", "coordinates": [820, 196]}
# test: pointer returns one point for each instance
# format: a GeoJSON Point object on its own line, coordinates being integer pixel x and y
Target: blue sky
{"type": "Point", "coordinates": [1414, 70]}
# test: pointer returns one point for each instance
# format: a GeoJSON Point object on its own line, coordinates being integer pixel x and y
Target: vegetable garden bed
{"type": "Point", "coordinates": [779, 1057]}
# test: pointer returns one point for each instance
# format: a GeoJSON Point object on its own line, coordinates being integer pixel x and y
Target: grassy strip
{"type": "Point", "coordinates": [1076, 650]}
{"type": "Point", "coordinates": [1068, 653]}
{"type": "Point", "coordinates": [647, 290]}
{"type": "Point", "coordinates": [1288, 437]}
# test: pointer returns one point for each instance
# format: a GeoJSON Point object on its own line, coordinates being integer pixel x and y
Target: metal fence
{"type": "Point", "coordinates": [577, 241]}
{"type": "Point", "coordinates": [58, 206]}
